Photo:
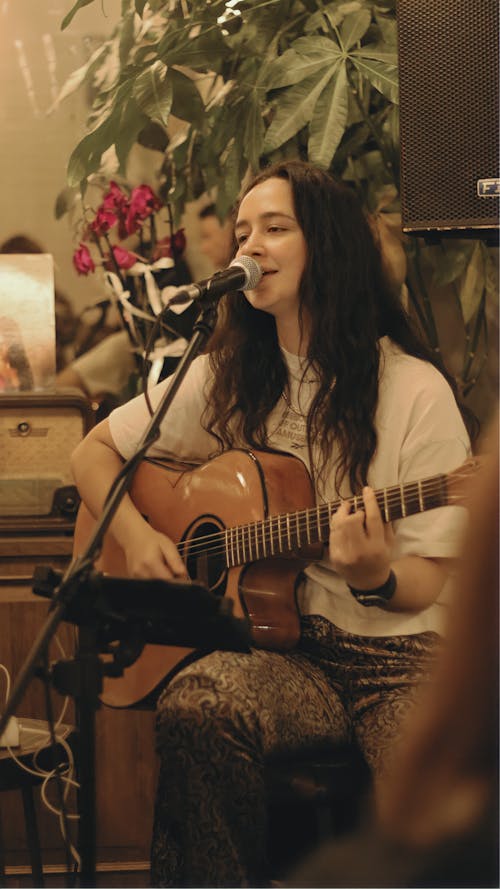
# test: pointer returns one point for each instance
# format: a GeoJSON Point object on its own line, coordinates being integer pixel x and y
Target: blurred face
{"type": "Point", "coordinates": [268, 231]}
{"type": "Point", "coordinates": [216, 241]}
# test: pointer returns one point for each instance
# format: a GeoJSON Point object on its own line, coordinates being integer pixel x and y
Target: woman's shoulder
{"type": "Point", "coordinates": [398, 368]}
{"type": "Point", "coordinates": [414, 395]}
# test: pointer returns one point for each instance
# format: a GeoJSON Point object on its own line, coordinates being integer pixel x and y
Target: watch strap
{"type": "Point", "coordinates": [379, 596]}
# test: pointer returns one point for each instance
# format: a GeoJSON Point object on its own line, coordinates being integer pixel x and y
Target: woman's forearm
{"type": "Point", "coordinates": [419, 582]}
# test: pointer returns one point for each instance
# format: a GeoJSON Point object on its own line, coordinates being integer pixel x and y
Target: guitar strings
{"type": "Point", "coordinates": [393, 496]}
{"type": "Point", "coordinates": [248, 545]}
{"type": "Point", "coordinates": [300, 519]}
{"type": "Point", "coordinates": [215, 543]}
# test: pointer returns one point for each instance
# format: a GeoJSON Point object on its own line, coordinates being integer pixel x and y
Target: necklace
{"type": "Point", "coordinates": [301, 378]}
{"type": "Point", "coordinates": [291, 407]}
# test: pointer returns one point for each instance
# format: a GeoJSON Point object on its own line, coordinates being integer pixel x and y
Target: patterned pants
{"type": "Point", "coordinates": [221, 716]}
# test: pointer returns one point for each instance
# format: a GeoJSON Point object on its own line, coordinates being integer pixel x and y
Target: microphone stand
{"type": "Point", "coordinates": [83, 678]}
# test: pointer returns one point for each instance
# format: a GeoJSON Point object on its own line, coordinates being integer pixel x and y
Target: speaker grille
{"type": "Point", "coordinates": [449, 113]}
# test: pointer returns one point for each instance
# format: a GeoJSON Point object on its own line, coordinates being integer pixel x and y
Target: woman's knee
{"type": "Point", "coordinates": [203, 704]}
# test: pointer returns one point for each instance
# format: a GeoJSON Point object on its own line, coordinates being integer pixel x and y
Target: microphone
{"type": "Point", "coordinates": [243, 274]}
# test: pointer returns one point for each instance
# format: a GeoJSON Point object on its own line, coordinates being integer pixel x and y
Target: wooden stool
{"type": "Point", "coordinates": [314, 794]}
{"type": "Point", "coordinates": [32, 734]}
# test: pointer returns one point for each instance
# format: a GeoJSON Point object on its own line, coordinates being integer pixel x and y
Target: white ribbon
{"type": "Point", "coordinates": [115, 285]}
{"type": "Point", "coordinates": [166, 295]}
{"type": "Point", "coordinates": [171, 350]}
{"type": "Point", "coordinates": [142, 268]}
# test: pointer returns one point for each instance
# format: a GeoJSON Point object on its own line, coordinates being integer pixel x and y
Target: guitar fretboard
{"type": "Point", "coordinates": [287, 532]}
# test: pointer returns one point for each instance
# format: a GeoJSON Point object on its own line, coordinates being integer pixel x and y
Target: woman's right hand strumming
{"type": "Point", "coordinates": [149, 553]}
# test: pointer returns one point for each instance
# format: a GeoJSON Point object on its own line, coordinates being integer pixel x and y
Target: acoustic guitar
{"type": "Point", "coordinates": [246, 524]}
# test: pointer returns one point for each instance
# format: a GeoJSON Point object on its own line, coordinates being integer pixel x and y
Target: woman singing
{"type": "Point", "coordinates": [319, 360]}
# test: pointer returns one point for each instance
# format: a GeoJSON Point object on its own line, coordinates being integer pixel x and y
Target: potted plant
{"type": "Point", "coordinates": [252, 81]}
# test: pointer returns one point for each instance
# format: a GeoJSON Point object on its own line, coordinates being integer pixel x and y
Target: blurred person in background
{"type": "Point", "coordinates": [110, 372]}
{"type": "Point", "coordinates": [216, 237]}
{"type": "Point", "coordinates": [104, 371]}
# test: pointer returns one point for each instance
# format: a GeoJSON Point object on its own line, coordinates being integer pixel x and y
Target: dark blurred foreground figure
{"type": "Point", "coordinates": [435, 821]}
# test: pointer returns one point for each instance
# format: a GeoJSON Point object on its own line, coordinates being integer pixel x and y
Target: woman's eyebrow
{"type": "Point", "coordinates": [267, 215]}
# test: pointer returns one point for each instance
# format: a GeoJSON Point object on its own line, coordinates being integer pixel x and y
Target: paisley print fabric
{"type": "Point", "coordinates": [223, 715]}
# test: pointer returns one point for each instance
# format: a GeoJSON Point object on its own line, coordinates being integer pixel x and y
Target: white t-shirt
{"type": "Point", "coordinates": [420, 434]}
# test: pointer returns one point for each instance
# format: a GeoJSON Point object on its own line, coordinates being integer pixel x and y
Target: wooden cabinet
{"type": "Point", "coordinates": [126, 766]}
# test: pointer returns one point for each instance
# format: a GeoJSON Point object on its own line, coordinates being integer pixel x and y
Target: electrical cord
{"type": "Point", "coordinates": [50, 736]}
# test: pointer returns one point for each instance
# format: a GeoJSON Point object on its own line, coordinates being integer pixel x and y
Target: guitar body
{"type": "Point", "coordinates": [189, 504]}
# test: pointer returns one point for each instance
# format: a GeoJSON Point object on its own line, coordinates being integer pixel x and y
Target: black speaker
{"type": "Point", "coordinates": [449, 117]}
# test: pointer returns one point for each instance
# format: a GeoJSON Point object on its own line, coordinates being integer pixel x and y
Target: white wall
{"type": "Point", "coordinates": [36, 58]}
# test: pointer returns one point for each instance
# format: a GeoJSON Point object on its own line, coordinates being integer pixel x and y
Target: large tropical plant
{"type": "Point", "coordinates": [252, 81]}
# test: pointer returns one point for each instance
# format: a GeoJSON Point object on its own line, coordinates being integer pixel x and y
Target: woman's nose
{"type": "Point", "coordinates": [253, 245]}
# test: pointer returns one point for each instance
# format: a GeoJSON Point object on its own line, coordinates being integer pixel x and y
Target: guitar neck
{"type": "Point", "coordinates": [287, 532]}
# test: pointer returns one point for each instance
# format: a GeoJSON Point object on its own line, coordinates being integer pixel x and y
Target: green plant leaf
{"type": "Point", "coordinates": [310, 47]}
{"type": "Point", "coordinates": [86, 157]}
{"type": "Point", "coordinates": [132, 121]}
{"type": "Point", "coordinates": [226, 122]}
{"type": "Point", "coordinates": [68, 18]}
{"type": "Point", "coordinates": [229, 182]}
{"type": "Point", "coordinates": [382, 75]}
{"type": "Point", "coordinates": [388, 29]}
{"type": "Point", "coordinates": [368, 166]}
{"type": "Point", "coordinates": [354, 27]}
{"type": "Point", "coordinates": [295, 109]}
{"type": "Point", "coordinates": [153, 92]}
{"type": "Point", "coordinates": [65, 201]}
{"type": "Point", "coordinates": [206, 51]}
{"type": "Point", "coordinates": [139, 6]}
{"type": "Point", "coordinates": [374, 51]}
{"type": "Point", "coordinates": [329, 119]}
{"type": "Point", "coordinates": [261, 27]}
{"type": "Point", "coordinates": [491, 272]}
{"type": "Point", "coordinates": [306, 57]}
{"type": "Point", "coordinates": [187, 102]}
{"type": "Point", "coordinates": [253, 139]}
{"type": "Point", "coordinates": [153, 136]}
{"type": "Point", "coordinates": [331, 15]}
{"type": "Point", "coordinates": [127, 35]}
{"type": "Point", "coordinates": [473, 285]}
{"type": "Point", "coordinates": [451, 262]}
{"type": "Point", "coordinates": [77, 78]}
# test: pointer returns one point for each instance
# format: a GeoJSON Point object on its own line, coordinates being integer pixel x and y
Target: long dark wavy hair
{"type": "Point", "coordinates": [350, 304]}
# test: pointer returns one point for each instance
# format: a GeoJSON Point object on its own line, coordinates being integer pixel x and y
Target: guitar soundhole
{"type": "Point", "coordinates": [204, 555]}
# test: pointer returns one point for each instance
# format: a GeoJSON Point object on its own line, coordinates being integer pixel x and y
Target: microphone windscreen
{"type": "Point", "coordinates": [252, 269]}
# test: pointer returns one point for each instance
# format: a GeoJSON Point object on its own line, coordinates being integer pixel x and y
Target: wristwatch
{"type": "Point", "coordinates": [379, 596]}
